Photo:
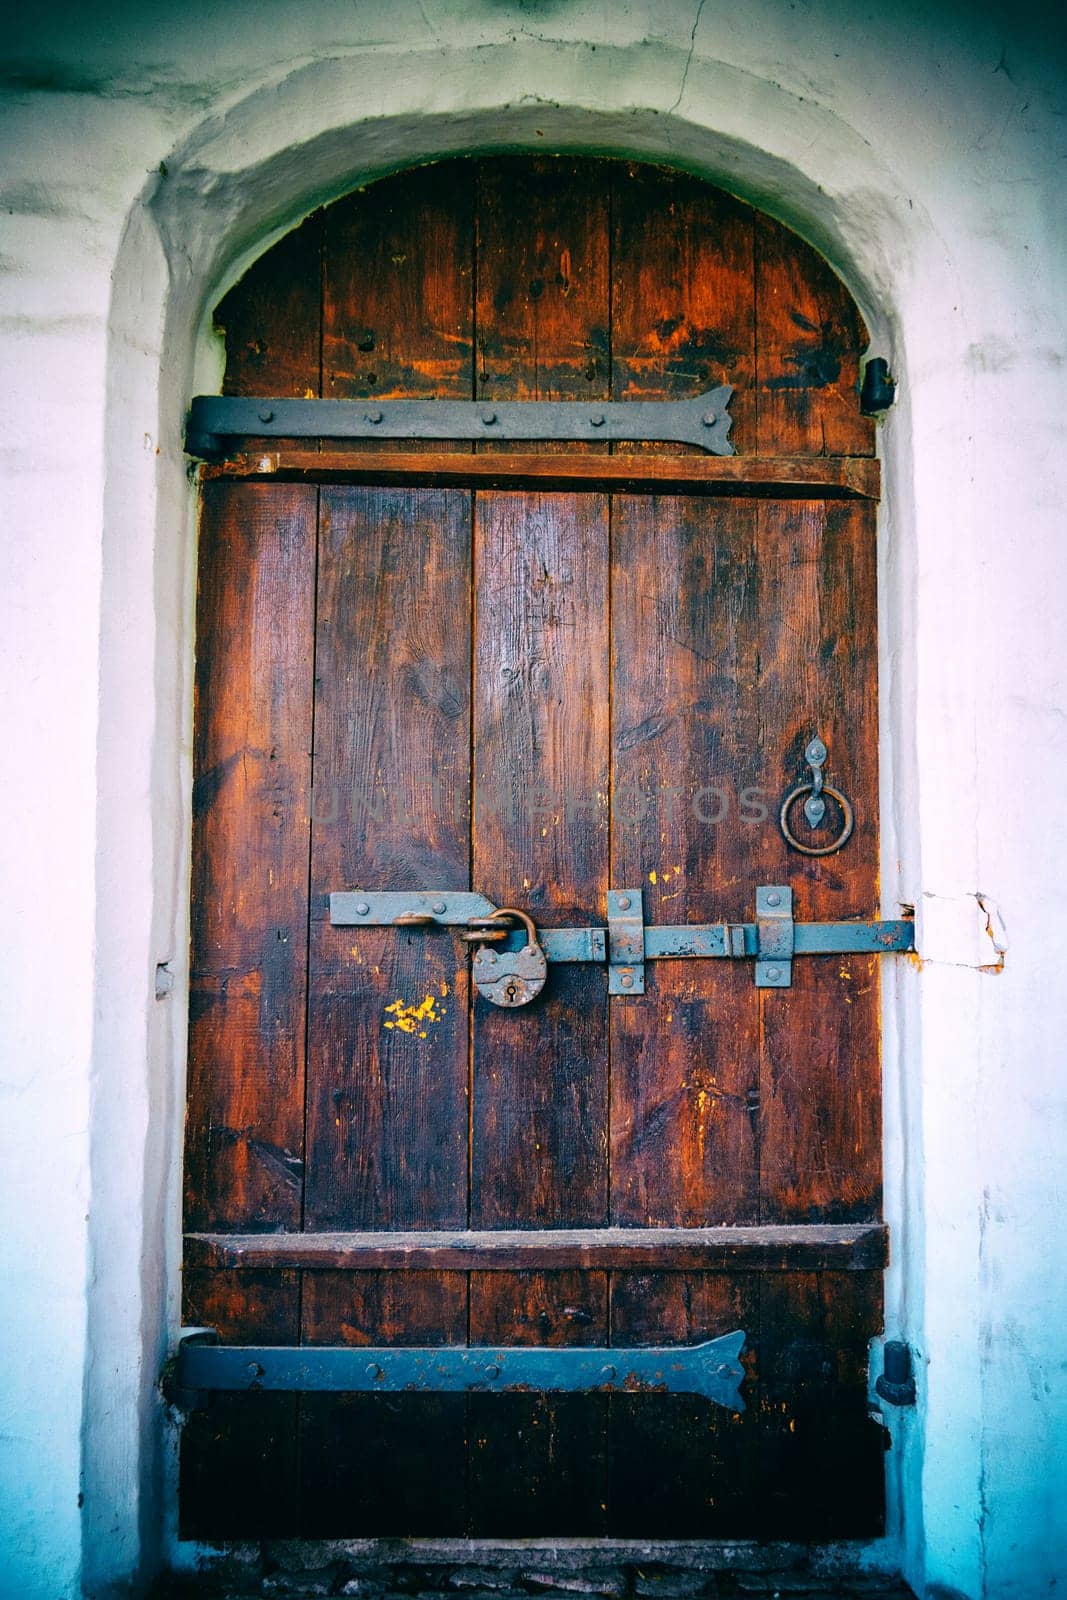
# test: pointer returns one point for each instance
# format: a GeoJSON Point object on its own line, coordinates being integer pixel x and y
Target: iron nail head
{"type": "Point", "coordinates": [627, 980]}
{"type": "Point", "coordinates": [488, 418]}
{"type": "Point", "coordinates": [773, 974]}
{"type": "Point", "coordinates": [597, 421]}
{"type": "Point", "coordinates": [362, 908]}
{"type": "Point", "coordinates": [266, 416]}
{"type": "Point", "coordinates": [492, 1371]}
{"type": "Point", "coordinates": [438, 908]}
{"type": "Point", "coordinates": [607, 1372]}
{"type": "Point", "coordinates": [774, 899]}
{"type": "Point", "coordinates": [624, 902]}
{"type": "Point", "coordinates": [372, 416]}
{"type": "Point", "coordinates": [374, 1370]}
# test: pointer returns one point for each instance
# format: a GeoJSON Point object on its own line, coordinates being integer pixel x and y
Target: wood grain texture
{"type": "Point", "coordinates": [820, 1076]}
{"type": "Point", "coordinates": [809, 338]}
{"type": "Point", "coordinates": [387, 1109]}
{"type": "Point", "coordinates": [397, 314]}
{"type": "Point", "coordinates": [821, 1455]}
{"type": "Point", "coordinates": [244, 1132]}
{"type": "Point", "coordinates": [682, 1468]}
{"type": "Point", "coordinates": [380, 1465]}
{"type": "Point", "coordinates": [272, 321]}
{"type": "Point", "coordinates": [540, 841]}
{"type": "Point", "coordinates": [856, 1247]}
{"type": "Point", "coordinates": [538, 1462]}
{"type": "Point", "coordinates": [682, 299]}
{"type": "Point", "coordinates": [543, 299]}
{"type": "Point", "coordinates": [684, 756]}
{"type": "Point", "coordinates": [806, 477]}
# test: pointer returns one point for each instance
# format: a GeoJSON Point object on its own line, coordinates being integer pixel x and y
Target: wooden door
{"type": "Point", "coordinates": [427, 669]}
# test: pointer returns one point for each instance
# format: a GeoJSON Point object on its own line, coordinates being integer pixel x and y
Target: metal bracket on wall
{"type": "Point", "coordinates": [216, 421]}
{"type": "Point", "coordinates": [773, 940]}
{"type": "Point", "coordinates": [203, 1366]}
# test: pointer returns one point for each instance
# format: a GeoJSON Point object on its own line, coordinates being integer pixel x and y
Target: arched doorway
{"type": "Point", "coordinates": [540, 680]}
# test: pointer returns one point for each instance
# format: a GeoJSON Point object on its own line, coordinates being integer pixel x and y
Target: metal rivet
{"type": "Point", "coordinates": [774, 974]}
{"type": "Point", "coordinates": [489, 417]}
{"type": "Point", "coordinates": [709, 419]}
{"type": "Point", "coordinates": [490, 957]}
{"type": "Point", "coordinates": [774, 899]}
{"type": "Point", "coordinates": [266, 416]}
{"type": "Point", "coordinates": [492, 1372]}
{"type": "Point", "coordinates": [373, 1370]}
{"type": "Point", "coordinates": [438, 908]}
{"type": "Point", "coordinates": [362, 909]}
{"type": "Point", "coordinates": [597, 421]}
{"type": "Point", "coordinates": [627, 980]}
{"type": "Point", "coordinates": [372, 416]}
{"type": "Point", "coordinates": [607, 1372]}
{"type": "Point", "coordinates": [624, 902]}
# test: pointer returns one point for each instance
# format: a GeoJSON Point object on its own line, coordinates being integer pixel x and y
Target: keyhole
{"type": "Point", "coordinates": [511, 991]}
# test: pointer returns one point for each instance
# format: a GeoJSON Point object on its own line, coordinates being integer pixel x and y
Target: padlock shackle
{"type": "Point", "coordinates": [519, 916]}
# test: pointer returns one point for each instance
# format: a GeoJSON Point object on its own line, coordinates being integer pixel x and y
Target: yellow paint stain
{"type": "Point", "coordinates": [652, 876]}
{"type": "Point", "coordinates": [444, 990]}
{"type": "Point", "coordinates": [309, 394]}
{"type": "Point", "coordinates": [844, 973]}
{"type": "Point", "coordinates": [408, 1017]}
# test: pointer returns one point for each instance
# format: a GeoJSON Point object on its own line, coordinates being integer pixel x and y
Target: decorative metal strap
{"type": "Point", "coordinates": [712, 1370]}
{"type": "Point", "coordinates": [216, 420]}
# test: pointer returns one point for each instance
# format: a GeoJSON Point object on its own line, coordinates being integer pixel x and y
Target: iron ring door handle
{"type": "Point", "coordinates": [816, 849]}
{"type": "Point", "coordinates": [815, 806]}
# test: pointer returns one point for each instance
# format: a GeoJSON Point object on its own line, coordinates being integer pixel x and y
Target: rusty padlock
{"type": "Point", "coordinates": [511, 977]}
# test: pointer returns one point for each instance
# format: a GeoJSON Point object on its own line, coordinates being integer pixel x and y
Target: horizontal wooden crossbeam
{"type": "Point", "coordinates": [852, 1247]}
{"type": "Point", "coordinates": [783, 477]}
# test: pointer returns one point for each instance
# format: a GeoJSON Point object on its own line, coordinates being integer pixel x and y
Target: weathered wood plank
{"type": "Point", "coordinates": [820, 1073]}
{"type": "Point", "coordinates": [397, 316]}
{"type": "Point", "coordinates": [272, 322]}
{"type": "Point", "coordinates": [682, 317]}
{"type": "Point", "coordinates": [387, 1106]}
{"type": "Point", "coordinates": [822, 1457]}
{"type": "Point", "coordinates": [538, 1461]}
{"type": "Point", "coordinates": [244, 1162]}
{"type": "Point", "coordinates": [685, 1056]}
{"type": "Point", "coordinates": [373, 1465]}
{"type": "Point", "coordinates": [539, 1088]}
{"type": "Point", "coordinates": [808, 477]}
{"type": "Point", "coordinates": [682, 1468]}
{"type": "Point", "coordinates": [540, 842]}
{"type": "Point", "coordinates": [809, 338]}
{"type": "Point", "coordinates": [849, 1247]}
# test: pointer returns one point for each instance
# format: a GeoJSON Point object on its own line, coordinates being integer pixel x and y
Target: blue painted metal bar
{"type": "Point", "coordinates": [712, 1369]}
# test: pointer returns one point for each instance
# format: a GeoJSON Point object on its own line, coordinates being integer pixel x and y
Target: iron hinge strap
{"type": "Point", "coordinates": [203, 1366]}
{"type": "Point", "coordinates": [215, 421]}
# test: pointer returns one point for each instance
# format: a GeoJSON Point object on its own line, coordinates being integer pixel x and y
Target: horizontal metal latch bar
{"type": "Point", "coordinates": [712, 1369]}
{"type": "Point", "coordinates": [679, 941]}
{"type": "Point", "coordinates": [701, 420]}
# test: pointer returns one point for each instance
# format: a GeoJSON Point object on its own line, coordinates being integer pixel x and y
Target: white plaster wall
{"type": "Point", "coordinates": [146, 153]}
